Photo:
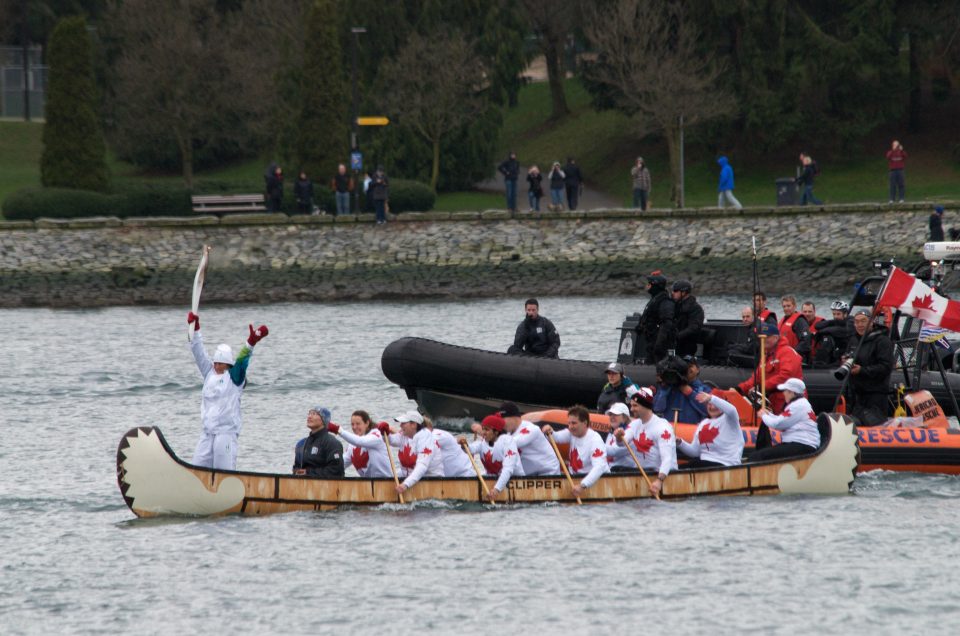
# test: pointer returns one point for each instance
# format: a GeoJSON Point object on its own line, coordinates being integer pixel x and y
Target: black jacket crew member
{"type": "Point", "coordinates": [871, 370]}
{"type": "Point", "coordinates": [535, 334]}
{"type": "Point", "coordinates": [688, 318]}
{"type": "Point", "coordinates": [320, 453]}
{"type": "Point", "coordinates": [656, 322]}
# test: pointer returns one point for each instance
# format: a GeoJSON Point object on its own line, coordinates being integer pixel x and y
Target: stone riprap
{"type": "Point", "coordinates": [273, 258]}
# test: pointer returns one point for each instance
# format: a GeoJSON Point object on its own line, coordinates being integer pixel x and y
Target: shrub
{"type": "Point", "coordinates": [32, 203]}
{"type": "Point", "coordinates": [74, 155]}
{"type": "Point", "coordinates": [410, 196]}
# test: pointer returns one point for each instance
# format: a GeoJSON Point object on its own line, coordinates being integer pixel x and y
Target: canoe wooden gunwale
{"type": "Point", "coordinates": [155, 482]}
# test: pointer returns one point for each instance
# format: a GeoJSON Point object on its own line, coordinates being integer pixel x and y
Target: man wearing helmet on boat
{"type": "Point", "coordinates": [657, 320]}
{"type": "Point", "coordinates": [688, 317]}
{"type": "Point", "coordinates": [869, 364]}
{"type": "Point", "coordinates": [832, 335]}
{"type": "Point", "coordinates": [224, 378]}
{"type": "Point", "coordinates": [782, 363]}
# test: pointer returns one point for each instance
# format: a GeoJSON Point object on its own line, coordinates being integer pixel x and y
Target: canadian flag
{"type": "Point", "coordinates": [911, 297]}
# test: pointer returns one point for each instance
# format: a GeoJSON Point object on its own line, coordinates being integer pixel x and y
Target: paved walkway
{"type": "Point", "coordinates": [589, 199]}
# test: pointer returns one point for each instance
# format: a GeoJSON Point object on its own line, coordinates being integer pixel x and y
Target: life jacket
{"type": "Point", "coordinates": [813, 325]}
{"type": "Point", "coordinates": [786, 328]}
{"type": "Point", "coordinates": [765, 315]}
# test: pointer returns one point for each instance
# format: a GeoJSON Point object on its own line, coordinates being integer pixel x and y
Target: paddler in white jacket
{"type": "Point", "coordinates": [498, 451]}
{"type": "Point", "coordinates": [588, 454]}
{"type": "Point", "coordinates": [536, 455]}
{"type": "Point", "coordinates": [223, 380]}
{"type": "Point", "coordinates": [652, 438]}
{"type": "Point", "coordinates": [797, 424]}
{"type": "Point", "coordinates": [718, 440]}
{"type": "Point", "coordinates": [419, 441]}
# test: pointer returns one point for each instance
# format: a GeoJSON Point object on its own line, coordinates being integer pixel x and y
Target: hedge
{"type": "Point", "coordinates": [146, 198]}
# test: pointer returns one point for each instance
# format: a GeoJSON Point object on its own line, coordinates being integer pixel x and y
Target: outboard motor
{"type": "Point", "coordinates": [632, 345]}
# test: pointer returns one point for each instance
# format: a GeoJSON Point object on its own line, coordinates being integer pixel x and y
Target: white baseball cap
{"type": "Point", "coordinates": [618, 408]}
{"type": "Point", "coordinates": [409, 416]}
{"type": "Point", "coordinates": [794, 385]}
{"type": "Point", "coordinates": [223, 354]}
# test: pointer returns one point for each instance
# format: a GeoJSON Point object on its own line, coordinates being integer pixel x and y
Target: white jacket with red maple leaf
{"type": "Point", "coordinates": [503, 459]}
{"type": "Point", "coordinates": [717, 439]}
{"type": "Point", "coordinates": [366, 453]}
{"type": "Point", "coordinates": [617, 453]}
{"type": "Point", "coordinates": [588, 455]}
{"type": "Point", "coordinates": [653, 443]}
{"type": "Point", "coordinates": [536, 454]}
{"type": "Point", "coordinates": [455, 461]}
{"type": "Point", "coordinates": [420, 456]}
{"type": "Point", "coordinates": [797, 423]}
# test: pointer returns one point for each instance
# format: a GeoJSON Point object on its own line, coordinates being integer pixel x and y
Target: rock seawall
{"type": "Point", "coordinates": [274, 258]}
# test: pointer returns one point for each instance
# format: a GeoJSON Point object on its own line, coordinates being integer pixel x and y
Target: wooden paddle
{"type": "Point", "coordinates": [393, 468]}
{"type": "Point", "coordinates": [198, 288]}
{"type": "Point", "coordinates": [486, 490]}
{"type": "Point", "coordinates": [563, 465]}
{"type": "Point", "coordinates": [636, 461]}
{"type": "Point", "coordinates": [763, 431]}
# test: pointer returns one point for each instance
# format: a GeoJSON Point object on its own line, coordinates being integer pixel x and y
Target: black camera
{"type": "Point", "coordinates": [844, 369]}
{"type": "Point", "coordinates": [672, 371]}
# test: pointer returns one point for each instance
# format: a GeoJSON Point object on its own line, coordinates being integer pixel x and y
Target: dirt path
{"type": "Point", "coordinates": [590, 199]}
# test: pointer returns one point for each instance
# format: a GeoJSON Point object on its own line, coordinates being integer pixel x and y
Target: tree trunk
{"type": "Point", "coordinates": [435, 171]}
{"type": "Point", "coordinates": [186, 158]}
{"type": "Point", "coordinates": [558, 98]}
{"type": "Point", "coordinates": [672, 134]}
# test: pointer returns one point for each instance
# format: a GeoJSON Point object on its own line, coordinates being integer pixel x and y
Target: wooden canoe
{"type": "Point", "coordinates": [155, 482]}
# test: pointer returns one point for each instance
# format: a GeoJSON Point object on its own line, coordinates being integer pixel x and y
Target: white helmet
{"type": "Point", "coordinates": [223, 354]}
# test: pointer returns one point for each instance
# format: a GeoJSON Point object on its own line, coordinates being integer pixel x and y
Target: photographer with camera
{"type": "Point", "coordinates": [677, 388]}
{"type": "Point", "coordinates": [869, 363]}
{"type": "Point", "coordinates": [832, 336]}
{"type": "Point", "coordinates": [782, 363]}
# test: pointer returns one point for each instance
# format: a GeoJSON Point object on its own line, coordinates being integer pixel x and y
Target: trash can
{"type": "Point", "coordinates": [786, 191]}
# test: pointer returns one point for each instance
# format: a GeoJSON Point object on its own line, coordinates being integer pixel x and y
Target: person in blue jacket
{"type": "Point", "coordinates": [725, 186]}
{"type": "Point", "coordinates": [678, 383]}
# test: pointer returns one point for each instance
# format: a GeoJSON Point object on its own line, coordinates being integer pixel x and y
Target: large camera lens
{"type": "Point", "coordinates": [843, 370]}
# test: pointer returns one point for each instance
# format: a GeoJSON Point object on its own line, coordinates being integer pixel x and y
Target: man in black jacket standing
{"type": "Point", "coordinates": [320, 453]}
{"type": "Point", "coordinates": [573, 181]}
{"type": "Point", "coordinates": [535, 334]}
{"type": "Point", "coordinates": [871, 370]}
{"type": "Point", "coordinates": [688, 318]}
{"type": "Point", "coordinates": [510, 169]}
{"type": "Point", "coordinates": [656, 322]}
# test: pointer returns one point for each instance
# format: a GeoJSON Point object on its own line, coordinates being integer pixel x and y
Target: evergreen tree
{"type": "Point", "coordinates": [322, 140]}
{"type": "Point", "coordinates": [74, 155]}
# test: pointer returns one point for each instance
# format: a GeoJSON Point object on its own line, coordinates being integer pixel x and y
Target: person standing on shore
{"type": "Point", "coordinates": [936, 224]}
{"type": "Point", "coordinates": [224, 378]}
{"type": "Point", "coordinates": [725, 185]}
{"type": "Point", "coordinates": [380, 192]}
{"type": "Point", "coordinates": [274, 179]}
{"type": "Point", "coordinates": [510, 169]}
{"type": "Point", "coordinates": [535, 188]}
{"type": "Point", "coordinates": [303, 193]}
{"type": "Point", "coordinates": [809, 172]}
{"type": "Point", "coordinates": [641, 184]}
{"type": "Point", "coordinates": [896, 162]}
{"type": "Point", "coordinates": [342, 186]}
{"type": "Point", "coordinates": [573, 180]}
{"type": "Point", "coordinates": [557, 178]}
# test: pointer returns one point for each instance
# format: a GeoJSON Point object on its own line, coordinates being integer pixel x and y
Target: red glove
{"type": "Point", "coordinates": [258, 334]}
{"type": "Point", "coordinates": [333, 428]}
{"type": "Point", "coordinates": [193, 319]}
{"type": "Point", "coordinates": [384, 428]}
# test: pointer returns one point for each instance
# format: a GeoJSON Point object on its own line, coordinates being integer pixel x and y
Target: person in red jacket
{"type": "Point", "coordinates": [760, 308]}
{"type": "Point", "coordinates": [896, 162]}
{"type": "Point", "coordinates": [809, 311]}
{"type": "Point", "coordinates": [782, 362]}
{"type": "Point", "coordinates": [793, 326]}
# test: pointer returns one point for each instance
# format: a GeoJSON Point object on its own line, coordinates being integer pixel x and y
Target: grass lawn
{"type": "Point", "coordinates": [20, 148]}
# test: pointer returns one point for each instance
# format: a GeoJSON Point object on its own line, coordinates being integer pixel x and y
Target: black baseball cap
{"type": "Point", "coordinates": [509, 409]}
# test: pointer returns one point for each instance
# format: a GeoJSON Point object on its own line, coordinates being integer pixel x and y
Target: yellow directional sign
{"type": "Point", "coordinates": [372, 121]}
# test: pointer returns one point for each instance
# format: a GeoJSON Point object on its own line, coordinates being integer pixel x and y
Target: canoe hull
{"type": "Point", "coordinates": [155, 482]}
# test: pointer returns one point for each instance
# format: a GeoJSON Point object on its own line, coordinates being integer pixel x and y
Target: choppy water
{"type": "Point", "coordinates": [73, 558]}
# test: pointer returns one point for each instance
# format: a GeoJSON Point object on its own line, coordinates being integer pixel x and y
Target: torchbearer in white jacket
{"type": "Point", "coordinates": [652, 438]}
{"type": "Point", "coordinates": [588, 454]}
{"type": "Point", "coordinates": [498, 452]}
{"type": "Point", "coordinates": [223, 380]}
{"type": "Point", "coordinates": [718, 440]}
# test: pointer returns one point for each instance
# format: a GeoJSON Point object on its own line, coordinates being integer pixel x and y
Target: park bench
{"type": "Point", "coordinates": [216, 203]}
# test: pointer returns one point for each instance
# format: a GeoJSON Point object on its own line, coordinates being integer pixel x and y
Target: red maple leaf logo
{"type": "Point", "coordinates": [786, 412]}
{"type": "Point", "coordinates": [510, 453]}
{"type": "Point", "coordinates": [666, 434]}
{"type": "Point", "coordinates": [923, 303]}
{"type": "Point", "coordinates": [598, 452]}
{"type": "Point", "coordinates": [375, 433]}
{"type": "Point", "coordinates": [643, 444]}
{"type": "Point", "coordinates": [524, 431]}
{"type": "Point", "coordinates": [427, 451]}
{"type": "Point", "coordinates": [576, 464]}
{"type": "Point", "coordinates": [488, 463]}
{"type": "Point", "coordinates": [360, 458]}
{"type": "Point", "coordinates": [408, 459]}
{"type": "Point", "coordinates": [812, 415]}
{"type": "Point", "coordinates": [708, 434]}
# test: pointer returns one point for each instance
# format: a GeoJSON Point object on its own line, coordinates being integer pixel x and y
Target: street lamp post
{"type": "Point", "coordinates": [354, 146]}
